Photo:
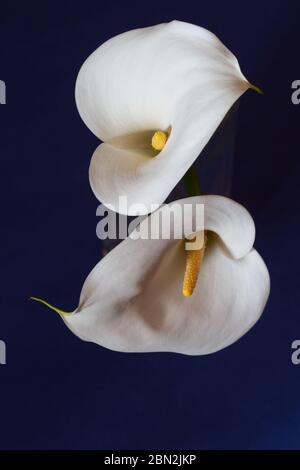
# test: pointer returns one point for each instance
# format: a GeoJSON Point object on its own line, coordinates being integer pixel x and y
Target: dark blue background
{"type": "Point", "coordinates": [57, 392]}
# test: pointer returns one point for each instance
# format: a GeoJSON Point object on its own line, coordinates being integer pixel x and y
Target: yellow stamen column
{"type": "Point", "coordinates": [194, 260]}
{"type": "Point", "coordinates": [159, 140]}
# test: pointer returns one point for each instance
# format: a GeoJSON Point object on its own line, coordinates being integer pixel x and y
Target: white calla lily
{"type": "Point", "coordinates": [132, 300]}
{"type": "Point", "coordinates": [174, 78]}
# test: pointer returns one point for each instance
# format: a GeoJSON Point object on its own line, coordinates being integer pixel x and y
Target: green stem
{"type": "Point", "coordinates": [191, 182]}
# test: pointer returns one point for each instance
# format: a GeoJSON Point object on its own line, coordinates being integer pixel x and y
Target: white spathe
{"type": "Point", "coordinates": [175, 77]}
{"type": "Point", "coordinates": [132, 300]}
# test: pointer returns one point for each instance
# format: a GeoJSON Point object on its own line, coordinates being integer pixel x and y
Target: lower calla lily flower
{"type": "Point", "coordinates": [154, 96]}
{"type": "Point", "coordinates": [154, 295]}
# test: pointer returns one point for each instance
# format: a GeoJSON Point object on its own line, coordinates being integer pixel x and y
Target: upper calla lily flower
{"type": "Point", "coordinates": [153, 295]}
{"type": "Point", "coordinates": [154, 96]}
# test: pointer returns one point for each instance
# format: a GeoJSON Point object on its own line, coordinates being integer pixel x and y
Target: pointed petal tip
{"type": "Point", "coordinates": [256, 88]}
{"type": "Point", "coordinates": [57, 310]}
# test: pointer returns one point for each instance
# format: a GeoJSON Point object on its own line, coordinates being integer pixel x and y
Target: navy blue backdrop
{"type": "Point", "coordinates": [57, 392]}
